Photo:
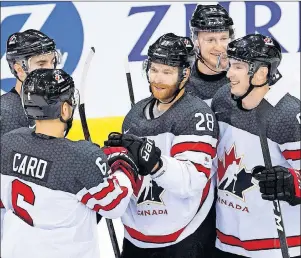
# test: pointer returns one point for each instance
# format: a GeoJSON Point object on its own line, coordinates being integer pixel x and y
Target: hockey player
{"type": "Point", "coordinates": [169, 214]}
{"type": "Point", "coordinates": [211, 31]}
{"type": "Point", "coordinates": [52, 187]}
{"type": "Point", "coordinates": [26, 51]}
{"type": "Point", "coordinates": [245, 219]}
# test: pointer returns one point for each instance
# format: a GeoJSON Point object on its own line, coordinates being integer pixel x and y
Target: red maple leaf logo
{"type": "Point", "coordinates": [268, 41]}
{"type": "Point", "coordinates": [57, 77]}
{"type": "Point", "coordinates": [230, 157]}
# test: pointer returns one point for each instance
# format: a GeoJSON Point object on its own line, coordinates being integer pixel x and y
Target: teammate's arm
{"type": "Point", "coordinates": [106, 190]}
{"type": "Point", "coordinates": [188, 168]}
{"type": "Point", "coordinates": [280, 182]}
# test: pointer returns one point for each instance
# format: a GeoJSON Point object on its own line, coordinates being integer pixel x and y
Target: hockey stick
{"type": "Point", "coordinates": [129, 81]}
{"type": "Point", "coordinates": [83, 120]}
{"type": "Point", "coordinates": [268, 164]}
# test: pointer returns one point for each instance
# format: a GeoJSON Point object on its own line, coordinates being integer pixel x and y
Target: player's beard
{"type": "Point", "coordinates": [164, 93]}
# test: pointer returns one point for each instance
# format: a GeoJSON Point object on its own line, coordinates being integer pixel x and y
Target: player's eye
{"type": "Point", "coordinates": [153, 70]}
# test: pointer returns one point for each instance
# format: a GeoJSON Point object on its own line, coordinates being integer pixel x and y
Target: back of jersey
{"type": "Point", "coordinates": [40, 184]}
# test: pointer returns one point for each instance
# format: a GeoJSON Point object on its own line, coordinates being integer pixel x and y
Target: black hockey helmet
{"type": "Point", "coordinates": [257, 50]}
{"type": "Point", "coordinates": [213, 18]}
{"type": "Point", "coordinates": [172, 50]}
{"type": "Point", "coordinates": [23, 45]}
{"type": "Point", "coordinates": [44, 91]}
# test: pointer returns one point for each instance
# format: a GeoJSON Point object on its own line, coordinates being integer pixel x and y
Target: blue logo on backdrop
{"type": "Point", "coordinates": [59, 20]}
{"type": "Point", "coordinates": [159, 12]}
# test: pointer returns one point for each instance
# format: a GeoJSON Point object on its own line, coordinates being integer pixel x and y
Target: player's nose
{"type": "Point", "coordinates": [49, 65]}
{"type": "Point", "coordinates": [158, 78]}
{"type": "Point", "coordinates": [229, 73]}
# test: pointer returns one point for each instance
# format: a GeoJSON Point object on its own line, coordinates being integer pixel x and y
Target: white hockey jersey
{"type": "Point", "coordinates": [245, 222]}
{"type": "Point", "coordinates": [172, 204]}
{"type": "Point", "coordinates": [51, 189]}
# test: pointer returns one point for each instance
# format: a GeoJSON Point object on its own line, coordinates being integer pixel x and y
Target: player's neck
{"type": "Point", "coordinates": [18, 86]}
{"type": "Point", "coordinates": [255, 97]}
{"type": "Point", "coordinates": [204, 69]}
{"type": "Point", "coordinates": [53, 128]}
{"type": "Point", "coordinates": [164, 107]}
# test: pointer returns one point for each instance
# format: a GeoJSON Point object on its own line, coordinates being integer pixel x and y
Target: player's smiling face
{"type": "Point", "coordinates": [163, 81]}
{"type": "Point", "coordinates": [212, 45]}
{"type": "Point", "coordinates": [239, 78]}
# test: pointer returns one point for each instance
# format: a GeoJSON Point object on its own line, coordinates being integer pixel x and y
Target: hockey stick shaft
{"type": "Point", "coordinates": [129, 81]}
{"type": "Point", "coordinates": [82, 114]}
{"type": "Point", "coordinates": [268, 164]}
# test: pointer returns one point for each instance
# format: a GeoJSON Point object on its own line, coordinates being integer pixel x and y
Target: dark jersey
{"type": "Point", "coordinates": [12, 113]}
{"type": "Point", "coordinates": [176, 200]}
{"type": "Point", "coordinates": [252, 231]}
{"type": "Point", "coordinates": [205, 86]}
{"type": "Point", "coordinates": [51, 189]}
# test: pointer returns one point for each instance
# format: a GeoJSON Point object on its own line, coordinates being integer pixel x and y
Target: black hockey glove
{"type": "Point", "coordinates": [119, 158]}
{"type": "Point", "coordinates": [279, 183]}
{"type": "Point", "coordinates": [144, 151]}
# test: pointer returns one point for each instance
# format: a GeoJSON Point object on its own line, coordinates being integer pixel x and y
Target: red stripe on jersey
{"type": "Point", "coordinates": [153, 238]}
{"type": "Point", "coordinates": [203, 169]}
{"type": "Point", "coordinates": [257, 244]}
{"type": "Point", "coordinates": [292, 154]}
{"type": "Point", "coordinates": [114, 203]}
{"type": "Point", "coordinates": [193, 146]}
{"type": "Point", "coordinates": [1, 205]}
{"type": "Point", "coordinates": [101, 194]}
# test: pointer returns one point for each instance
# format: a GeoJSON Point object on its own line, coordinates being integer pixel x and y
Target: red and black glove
{"type": "Point", "coordinates": [143, 150]}
{"type": "Point", "coordinates": [279, 183]}
{"type": "Point", "coordinates": [119, 158]}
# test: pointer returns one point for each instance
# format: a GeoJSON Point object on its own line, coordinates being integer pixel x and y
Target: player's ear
{"type": "Point", "coordinates": [66, 111]}
{"type": "Point", "coordinates": [261, 74]}
{"type": "Point", "coordinates": [186, 74]}
{"type": "Point", "coordinates": [196, 40]}
{"type": "Point", "coordinates": [20, 72]}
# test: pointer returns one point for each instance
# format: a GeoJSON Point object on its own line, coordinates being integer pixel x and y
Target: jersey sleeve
{"type": "Point", "coordinates": [291, 149]}
{"type": "Point", "coordinates": [290, 146]}
{"type": "Point", "coordinates": [288, 129]}
{"type": "Point", "coordinates": [188, 168]}
{"type": "Point", "coordinates": [106, 194]}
